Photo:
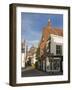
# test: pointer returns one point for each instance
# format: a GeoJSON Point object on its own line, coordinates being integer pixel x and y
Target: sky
{"type": "Point", "coordinates": [32, 25]}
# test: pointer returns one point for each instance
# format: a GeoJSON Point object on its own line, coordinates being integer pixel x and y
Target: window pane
{"type": "Point", "coordinates": [58, 49]}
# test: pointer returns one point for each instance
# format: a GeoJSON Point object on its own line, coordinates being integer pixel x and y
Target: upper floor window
{"type": "Point", "coordinates": [58, 49]}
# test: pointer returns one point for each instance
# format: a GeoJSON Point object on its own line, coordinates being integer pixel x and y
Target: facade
{"type": "Point", "coordinates": [54, 45]}
{"type": "Point", "coordinates": [31, 56]}
{"type": "Point", "coordinates": [24, 49]}
{"type": "Point", "coordinates": [51, 49]}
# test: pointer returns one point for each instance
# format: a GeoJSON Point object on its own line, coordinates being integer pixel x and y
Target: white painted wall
{"type": "Point", "coordinates": [23, 56]}
{"type": "Point", "coordinates": [56, 40]}
{"type": "Point", "coordinates": [53, 46]}
{"type": "Point", "coordinates": [4, 45]}
{"type": "Point", "coordinates": [34, 58]}
{"type": "Point", "coordinates": [23, 60]}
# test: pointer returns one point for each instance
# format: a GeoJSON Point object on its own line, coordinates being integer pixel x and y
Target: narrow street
{"type": "Point", "coordinates": [30, 71]}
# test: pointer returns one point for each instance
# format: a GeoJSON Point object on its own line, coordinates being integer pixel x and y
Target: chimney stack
{"type": "Point", "coordinates": [49, 23]}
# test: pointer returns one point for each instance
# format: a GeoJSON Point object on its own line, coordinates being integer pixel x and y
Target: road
{"type": "Point", "coordinates": [30, 71]}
